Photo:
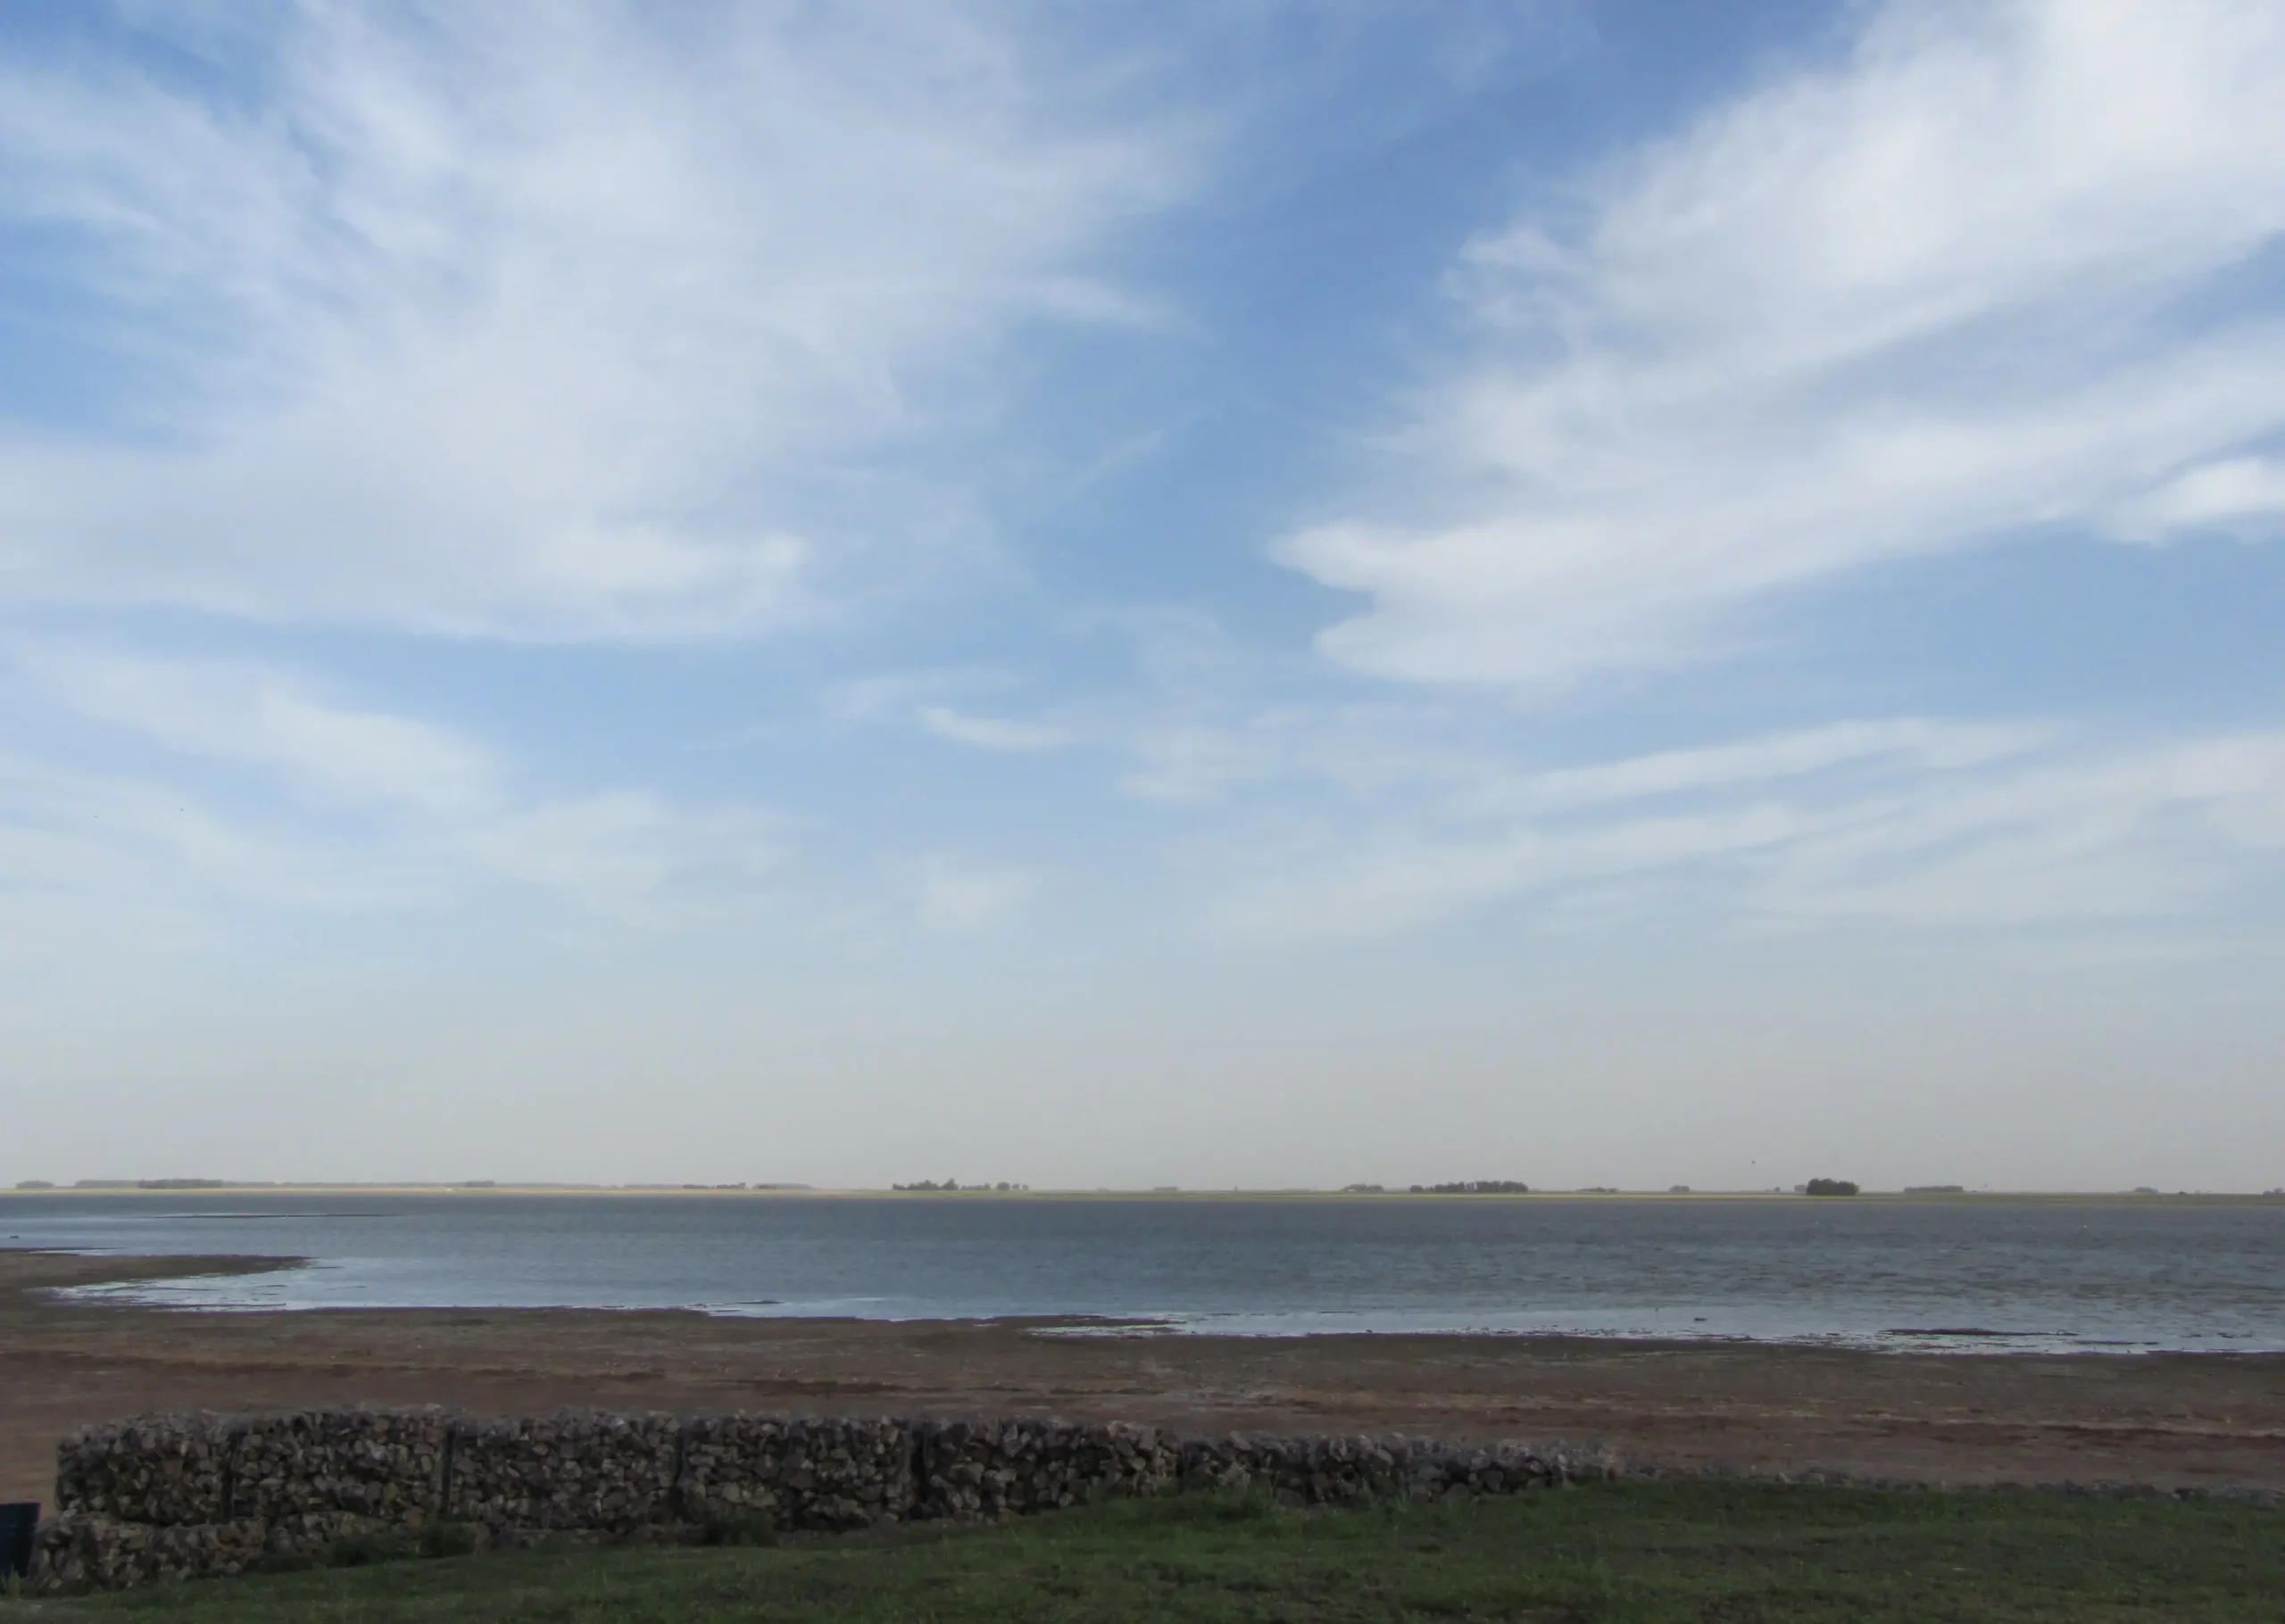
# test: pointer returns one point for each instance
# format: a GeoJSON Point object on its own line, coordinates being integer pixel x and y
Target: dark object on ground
{"type": "Point", "coordinates": [1650, 1551]}
{"type": "Point", "coordinates": [1830, 1187]}
{"type": "Point", "coordinates": [19, 1522]}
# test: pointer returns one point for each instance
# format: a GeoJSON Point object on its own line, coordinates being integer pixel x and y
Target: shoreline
{"type": "Point", "coordinates": [1948, 1340]}
{"type": "Point", "coordinates": [617, 1192]}
{"type": "Point", "coordinates": [2197, 1420]}
{"type": "Point", "coordinates": [122, 1273]}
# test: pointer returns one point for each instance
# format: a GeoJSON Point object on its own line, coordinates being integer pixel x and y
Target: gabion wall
{"type": "Point", "coordinates": [181, 1496]}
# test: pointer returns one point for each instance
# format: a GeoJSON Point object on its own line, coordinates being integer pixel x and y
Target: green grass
{"type": "Point", "coordinates": [1620, 1551]}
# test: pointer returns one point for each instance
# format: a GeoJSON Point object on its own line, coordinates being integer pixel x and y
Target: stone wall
{"type": "Point", "coordinates": [825, 1474]}
{"type": "Point", "coordinates": [974, 1472]}
{"type": "Point", "coordinates": [180, 1496]}
{"type": "Point", "coordinates": [572, 1472]}
{"type": "Point", "coordinates": [160, 1470]}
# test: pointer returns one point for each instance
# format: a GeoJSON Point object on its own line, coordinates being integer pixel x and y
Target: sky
{"type": "Point", "coordinates": [1265, 593]}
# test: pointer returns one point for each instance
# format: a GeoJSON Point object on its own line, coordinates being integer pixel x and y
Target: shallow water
{"type": "Point", "coordinates": [2097, 1275]}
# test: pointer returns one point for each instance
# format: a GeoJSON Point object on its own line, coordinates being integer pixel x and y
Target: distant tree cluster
{"type": "Point", "coordinates": [168, 1183]}
{"type": "Point", "coordinates": [1476, 1187]}
{"type": "Point", "coordinates": [1830, 1187]}
{"type": "Point", "coordinates": [931, 1184]}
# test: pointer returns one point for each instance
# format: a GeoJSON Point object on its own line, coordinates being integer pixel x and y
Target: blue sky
{"type": "Point", "coordinates": [1257, 593]}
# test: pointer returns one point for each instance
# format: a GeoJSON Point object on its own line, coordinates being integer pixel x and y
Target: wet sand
{"type": "Point", "coordinates": [2203, 1420]}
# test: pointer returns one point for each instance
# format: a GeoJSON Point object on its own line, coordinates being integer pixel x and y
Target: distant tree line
{"type": "Point", "coordinates": [149, 1184]}
{"type": "Point", "coordinates": [1830, 1187]}
{"type": "Point", "coordinates": [1476, 1187]}
{"type": "Point", "coordinates": [931, 1184]}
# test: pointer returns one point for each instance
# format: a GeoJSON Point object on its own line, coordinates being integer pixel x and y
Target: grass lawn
{"type": "Point", "coordinates": [1648, 1552]}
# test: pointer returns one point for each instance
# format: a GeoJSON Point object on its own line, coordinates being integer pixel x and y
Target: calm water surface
{"type": "Point", "coordinates": [2120, 1276]}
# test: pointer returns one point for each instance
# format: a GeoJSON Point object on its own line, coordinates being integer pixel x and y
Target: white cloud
{"type": "Point", "coordinates": [1198, 754]}
{"type": "Point", "coordinates": [2245, 495]}
{"type": "Point", "coordinates": [547, 320]}
{"type": "Point", "coordinates": [261, 717]}
{"type": "Point", "coordinates": [1945, 290]}
{"type": "Point", "coordinates": [890, 693]}
{"type": "Point", "coordinates": [388, 811]}
{"type": "Point", "coordinates": [134, 846]}
{"type": "Point", "coordinates": [958, 895]}
{"type": "Point", "coordinates": [1967, 827]}
{"type": "Point", "coordinates": [924, 697]}
{"type": "Point", "coordinates": [632, 853]}
{"type": "Point", "coordinates": [990, 733]}
{"type": "Point", "coordinates": [1910, 741]}
{"type": "Point", "coordinates": [1188, 763]}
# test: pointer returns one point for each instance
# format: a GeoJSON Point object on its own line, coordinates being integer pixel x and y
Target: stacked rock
{"type": "Point", "coordinates": [576, 1470]}
{"type": "Point", "coordinates": [82, 1551]}
{"type": "Point", "coordinates": [163, 1470]}
{"type": "Point", "coordinates": [731, 1470]}
{"type": "Point", "coordinates": [318, 1477]}
{"type": "Point", "coordinates": [174, 1496]}
{"type": "Point", "coordinates": [1467, 1474]}
{"type": "Point", "coordinates": [971, 1472]}
{"type": "Point", "coordinates": [825, 1474]}
{"type": "Point", "coordinates": [1309, 1471]}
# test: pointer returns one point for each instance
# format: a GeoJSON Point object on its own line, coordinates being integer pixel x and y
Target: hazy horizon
{"type": "Point", "coordinates": [1601, 591]}
{"type": "Point", "coordinates": [193, 1185]}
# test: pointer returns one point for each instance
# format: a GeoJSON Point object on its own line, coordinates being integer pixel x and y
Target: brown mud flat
{"type": "Point", "coordinates": [2195, 1420]}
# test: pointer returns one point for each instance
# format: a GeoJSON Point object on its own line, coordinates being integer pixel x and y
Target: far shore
{"type": "Point", "coordinates": [783, 1192]}
{"type": "Point", "coordinates": [2191, 1420]}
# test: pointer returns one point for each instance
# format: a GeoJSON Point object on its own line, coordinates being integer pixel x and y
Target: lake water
{"type": "Point", "coordinates": [2116, 1276]}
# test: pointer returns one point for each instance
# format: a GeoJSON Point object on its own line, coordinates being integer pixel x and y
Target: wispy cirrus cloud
{"type": "Point", "coordinates": [377, 811]}
{"type": "Point", "coordinates": [956, 894]}
{"type": "Point", "coordinates": [1004, 734]}
{"type": "Point", "coordinates": [635, 853]}
{"type": "Point", "coordinates": [1972, 279]}
{"type": "Point", "coordinates": [253, 714]}
{"type": "Point", "coordinates": [541, 320]}
{"type": "Point", "coordinates": [1910, 743]}
{"type": "Point", "coordinates": [1913, 823]}
{"type": "Point", "coordinates": [100, 847]}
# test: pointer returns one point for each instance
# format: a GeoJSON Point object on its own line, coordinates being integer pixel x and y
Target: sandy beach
{"type": "Point", "coordinates": [2198, 1420]}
